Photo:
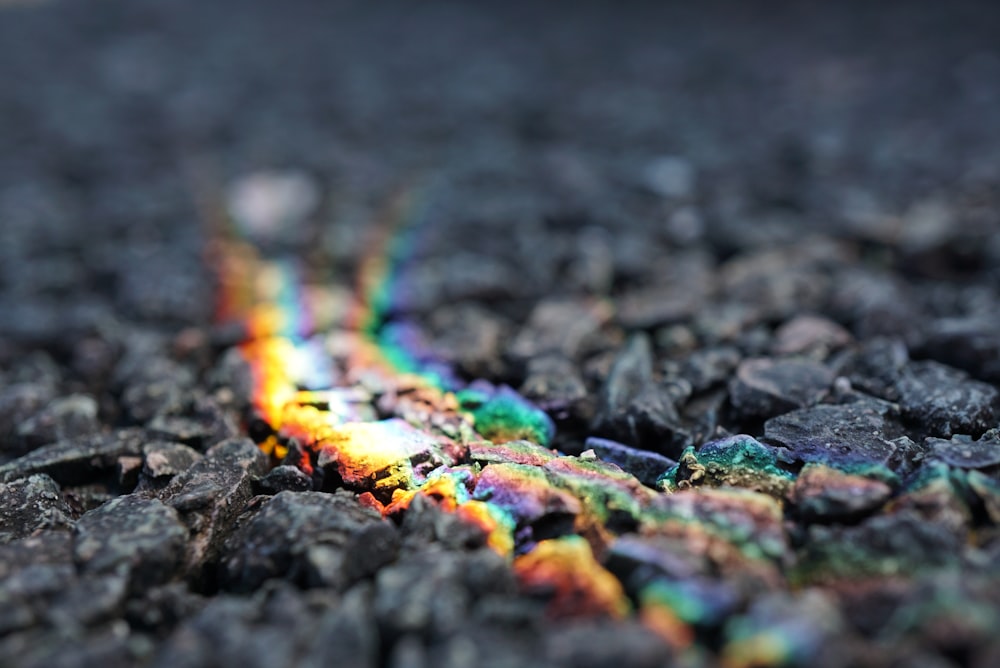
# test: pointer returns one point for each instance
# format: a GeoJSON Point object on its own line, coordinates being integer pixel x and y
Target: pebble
{"type": "Point", "coordinates": [142, 538]}
{"type": "Point", "coordinates": [77, 461]}
{"type": "Point", "coordinates": [644, 465]}
{"type": "Point", "coordinates": [965, 452]}
{"type": "Point", "coordinates": [849, 437]}
{"type": "Point", "coordinates": [30, 505]}
{"type": "Point", "coordinates": [310, 538]}
{"type": "Point", "coordinates": [969, 343]}
{"type": "Point", "coordinates": [824, 494]}
{"type": "Point", "coordinates": [632, 408]}
{"type": "Point", "coordinates": [764, 387]}
{"type": "Point", "coordinates": [945, 401]}
{"type": "Point", "coordinates": [810, 335]}
{"type": "Point", "coordinates": [211, 494]}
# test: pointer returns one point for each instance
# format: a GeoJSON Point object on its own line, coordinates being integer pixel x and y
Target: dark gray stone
{"type": "Point", "coordinates": [876, 367]}
{"type": "Point", "coordinates": [763, 388]}
{"type": "Point", "coordinates": [945, 401]}
{"type": "Point", "coordinates": [843, 436]}
{"type": "Point", "coordinates": [969, 343]}
{"type": "Point", "coordinates": [965, 452]}
{"type": "Point", "coordinates": [77, 461]}
{"type": "Point", "coordinates": [18, 402]}
{"type": "Point", "coordinates": [711, 366]}
{"type": "Point", "coordinates": [644, 465]}
{"type": "Point", "coordinates": [311, 538]}
{"type": "Point", "coordinates": [165, 460]}
{"type": "Point", "coordinates": [284, 478]}
{"type": "Point", "coordinates": [633, 408]}
{"type": "Point", "coordinates": [554, 384]}
{"type": "Point", "coordinates": [30, 505]}
{"type": "Point", "coordinates": [71, 417]}
{"type": "Point", "coordinates": [141, 539]}
{"type": "Point", "coordinates": [212, 493]}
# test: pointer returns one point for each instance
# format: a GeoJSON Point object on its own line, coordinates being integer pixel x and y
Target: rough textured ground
{"type": "Point", "coordinates": [666, 226]}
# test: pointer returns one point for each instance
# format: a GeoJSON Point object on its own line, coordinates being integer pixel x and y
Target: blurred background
{"type": "Point", "coordinates": [557, 148]}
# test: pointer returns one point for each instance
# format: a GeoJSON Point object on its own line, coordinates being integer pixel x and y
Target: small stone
{"type": "Point", "coordinates": [810, 335]}
{"type": "Point", "coordinates": [736, 461]}
{"type": "Point", "coordinates": [284, 478]}
{"type": "Point", "coordinates": [30, 505]}
{"type": "Point", "coordinates": [157, 386]}
{"type": "Point", "coordinates": [765, 387]}
{"type": "Point", "coordinates": [139, 537]}
{"type": "Point", "coordinates": [471, 338]}
{"type": "Point", "coordinates": [212, 493]}
{"type": "Point", "coordinates": [311, 538]}
{"type": "Point", "coordinates": [877, 366]}
{"type": "Point", "coordinates": [824, 494]}
{"type": "Point", "coordinates": [969, 343]}
{"type": "Point", "coordinates": [76, 461]}
{"type": "Point", "coordinates": [644, 465]}
{"type": "Point", "coordinates": [750, 520]}
{"type": "Point", "coordinates": [553, 383]}
{"type": "Point", "coordinates": [18, 403]}
{"type": "Point", "coordinates": [964, 452]}
{"type": "Point", "coordinates": [559, 326]}
{"type": "Point", "coordinates": [165, 460]}
{"type": "Point", "coordinates": [853, 437]}
{"type": "Point", "coordinates": [74, 416]}
{"type": "Point", "coordinates": [633, 409]}
{"type": "Point", "coordinates": [709, 367]}
{"type": "Point", "coordinates": [946, 401]}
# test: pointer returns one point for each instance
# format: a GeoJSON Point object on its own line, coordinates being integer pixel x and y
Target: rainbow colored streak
{"type": "Point", "coordinates": [475, 450]}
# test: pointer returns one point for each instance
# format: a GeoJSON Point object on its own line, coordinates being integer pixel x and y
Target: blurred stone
{"type": "Point", "coordinates": [558, 326]}
{"type": "Point", "coordinates": [709, 366]}
{"type": "Point", "coordinates": [670, 176]}
{"type": "Point", "coordinates": [311, 538]}
{"type": "Point", "coordinates": [809, 335]}
{"type": "Point", "coordinates": [823, 494]}
{"type": "Point", "coordinates": [969, 343]}
{"type": "Point", "coordinates": [554, 385]}
{"type": "Point", "coordinates": [644, 465]}
{"type": "Point", "coordinates": [896, 545]}
{"type": "Point", "coordinates": [946, 401]}
{"type": "Point", "coordinates": [19, 402]}
{"type": "Point", "coordinates": [766, 387]}
{"type": "Point", "coordinates": [592, 645]}
{"type": "Point", "coordinates": [30, 505]}
{"type": "Point", "coordinates": [74, 416]}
